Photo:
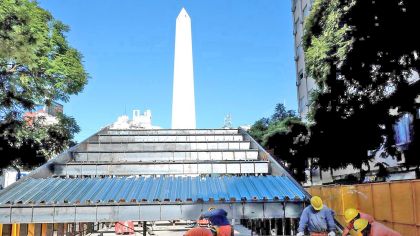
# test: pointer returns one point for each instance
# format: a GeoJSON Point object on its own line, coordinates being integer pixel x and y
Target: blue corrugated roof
{"type": "Point", "coordinates": [140, 189]}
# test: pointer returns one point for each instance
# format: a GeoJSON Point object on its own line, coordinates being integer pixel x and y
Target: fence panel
{"type": "Point", "coordinates": [405, 229]}
{"type": "Point", "coordinates": [364, 199]}
{"type": "Point", "coordinates": [396, 204]}
{"type": "Point", "coordinates": [382, 202]}
{"type": "Point", "coordinates": [402, 203]}
{"type": "Point", "coordinates": [416, 194]}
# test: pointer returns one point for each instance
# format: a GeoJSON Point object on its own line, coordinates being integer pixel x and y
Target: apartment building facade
{"type": "Point", "coordinates": [304, 84]}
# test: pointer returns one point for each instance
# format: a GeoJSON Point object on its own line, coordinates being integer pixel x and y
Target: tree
{"type": "Point", "coordinates": [287, 136]}
{"type": "Point", "coordinates": [280, 113]}
{"type": "Point", "coordinates": [259, 128]}
{"type": "Point", "coordinates": [37, 66]}
{"type": "Point", "coordinates": [289, 142]}
{"type": "Point", "coordinates": [363, 56]}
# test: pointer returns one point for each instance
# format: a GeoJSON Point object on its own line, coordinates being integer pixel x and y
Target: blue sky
{"type": "Point", "coordinates": [242, 50]}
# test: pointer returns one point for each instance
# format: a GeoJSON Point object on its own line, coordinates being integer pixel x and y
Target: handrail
{"type": "Point", "coordinates": [277, 168]}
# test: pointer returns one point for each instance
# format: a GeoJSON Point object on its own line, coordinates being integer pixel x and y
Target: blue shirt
{"type": "Point", "coordinates": [217, 217]}
{"type": "Point", "coordinates": [317, 221]}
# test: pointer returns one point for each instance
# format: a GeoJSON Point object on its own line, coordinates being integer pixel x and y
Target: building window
{"type": "Point", "coordinates": [295, 26]}
{"type": "Point", "coordinates": [306, 10]}
{"type": "Point", "coordinates": [293, 5]}
{"type": "Point", "coordinates": [402, 130]}
{"type": "Point", "coordinates": [299, 50]}
{"type": "Point", "coordinates": [300, 77]}
{"type": "Point", "coordinates": [301, 104]}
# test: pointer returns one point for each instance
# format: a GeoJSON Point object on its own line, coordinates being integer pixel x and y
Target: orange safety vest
{"type": "Point", "coordinates": [224, 230]}
{"type": "Point", "coordinates": [198, 231]}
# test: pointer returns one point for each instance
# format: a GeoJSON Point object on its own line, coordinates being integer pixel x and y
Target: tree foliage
{"type": "Point", "coordinates": [281, 113]}
{"type": "Point", "coordinates": [363, 55]}
{"type": "Point", "coordinates": [286, 136]}
{"type": "Point", "coordinates": [289, 140]}
{"type": "Point", "coordinates": [265, 125]}
{"type": "Point", "coordinates": [37, 66]}
{"type": "Point", "coordinates": [259, 128]}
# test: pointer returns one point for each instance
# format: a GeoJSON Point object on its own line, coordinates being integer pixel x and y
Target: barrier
{"type": "Point", "coordinates": [395, 204]}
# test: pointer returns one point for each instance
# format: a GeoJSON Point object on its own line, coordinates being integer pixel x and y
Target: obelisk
{"type": "Point", "coordinates": [183, 100]}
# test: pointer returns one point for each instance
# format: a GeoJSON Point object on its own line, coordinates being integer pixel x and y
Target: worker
{"type": "Point", "coordinates": [218, 219]}
{"type": "Point", "coordinates": [317, 218]}
{"type": "Point", "coordinates": [198, 231]}
{"type": "Point", "coordinates": [351, 215]}
{"type": "Point", "coordinates": [364, 228]}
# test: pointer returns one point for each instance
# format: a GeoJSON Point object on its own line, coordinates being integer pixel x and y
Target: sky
{"type": "Point", "coordinates": [242, 52]}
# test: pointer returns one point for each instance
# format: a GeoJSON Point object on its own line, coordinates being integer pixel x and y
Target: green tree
{"type": "Point", "coordinates": [280, 113]}
{"type": "Point", "coordinates": [264, 125]}
{"type": "Point", "coordinates": [363, 55]}
{"type": "Point", "coordinates": [259, 128]}
{"type": "Point", "coordinates": [288, 139]}
{"type": "Point", "coordinates": [37, 66]}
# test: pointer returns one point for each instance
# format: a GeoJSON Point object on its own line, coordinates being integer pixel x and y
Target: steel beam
{"type": "Point", "coordinates": [220, 155]}
{"type": "Point", "coordinates": [143, 212]}
{"type": "Point", "coordinates": [169, 138]}
{"type": "Point", "coordinates": [167, 146]}
{"type": "Point", "coordinates": [170, 131]}
{"type": "Point", "coordinates": [156, 168]}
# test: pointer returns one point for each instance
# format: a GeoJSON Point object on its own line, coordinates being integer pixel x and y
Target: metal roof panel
{"type": "Point", "coordinates": [87, 191]}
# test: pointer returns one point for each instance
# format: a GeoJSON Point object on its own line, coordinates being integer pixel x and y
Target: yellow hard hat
{"type": "Point", "coordinates": [360, 224]}
{"type": "Point", "coordinates": [211, 208]}
{"type": "Point", "coordinates": [316, 203]}
{"type": "Point", "coordinates": [350, 214]}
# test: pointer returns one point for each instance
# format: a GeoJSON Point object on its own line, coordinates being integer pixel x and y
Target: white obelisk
{"type": "Point", "coordinates": [183, 100]}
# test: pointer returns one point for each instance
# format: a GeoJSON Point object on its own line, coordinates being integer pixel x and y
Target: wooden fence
{"type": "Point", "coordinates": [395, 204]}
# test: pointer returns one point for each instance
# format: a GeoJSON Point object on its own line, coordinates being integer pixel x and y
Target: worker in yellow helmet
{"type": "Point", "coordinates": [364, 228]}
{"type": "Point", "coordinates": [351, 215]}
{"type": "Point", "coordinates": [317, 218]}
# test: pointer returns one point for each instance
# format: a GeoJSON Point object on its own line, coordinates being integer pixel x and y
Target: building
{"type": "Point", "coordinates": [46, 114]}
{"type": "Point", "coordinates": [304, 84]}
{"type": "Point", "coordinates": [139, 121]}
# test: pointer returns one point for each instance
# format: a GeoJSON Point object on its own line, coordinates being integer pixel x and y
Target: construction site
{"type": "Point", "coordinates": [159, 179]}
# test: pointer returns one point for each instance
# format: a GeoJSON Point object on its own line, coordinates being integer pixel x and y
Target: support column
{"type": "Point", "coordinates": [7, 229]}
{"type": "Point", "coordinates": [15, 229]}
{"type": "Point", "coordinates": [144, 228]}
{"type": "Point", "coordinates": [31, 229]}
{"type": "Point", "coordinates": [23, 230]}
{"type": "Point", "coordinates": [44, 229]}
{"type": "Point", "coordinates": [60, 230]}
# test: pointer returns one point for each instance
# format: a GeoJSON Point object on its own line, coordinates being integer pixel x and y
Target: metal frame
{"type": "Point", "coordinates": [169, 138]}
{"type": "Point", "coordinates": [276, 168]}
{"type": "Point", "coordinates": [158, 168]}
{"type": "Point", "coordinates": [172, 131]}
{"type": "Point", "coordinates": [144, 212]}
{"type": "Point", "coordinates": [200, 155]}
{"type": "Point", "coordinates": [166, 146]}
